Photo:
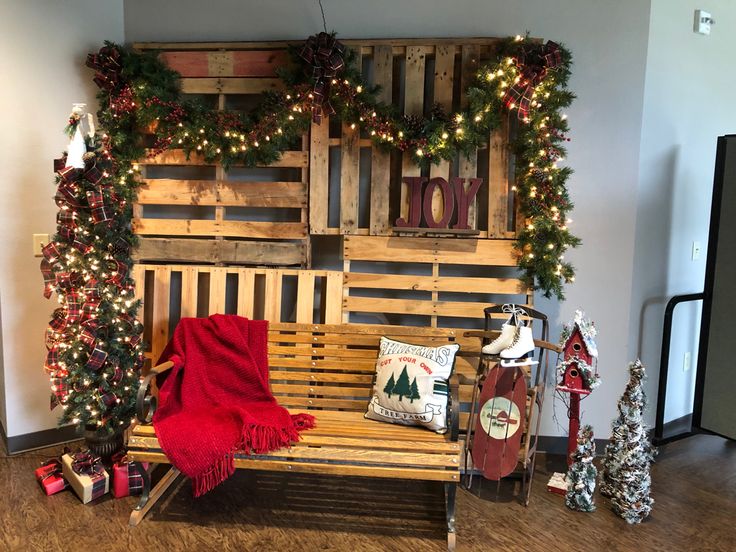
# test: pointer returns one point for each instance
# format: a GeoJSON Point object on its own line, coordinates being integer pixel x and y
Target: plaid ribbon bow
{"type": "Point", "coordinates": [84, 463]}
{"type": "Point", "coordinates": [108, 66]}
{"type": "Point", "coordinates": [96, 359]}
{"type": "Point", "coordinates": [96, 201]}
{"type": "Point", "coordinates": [534, 62]}
{"type": "Point", "coordinates": [326, 56]}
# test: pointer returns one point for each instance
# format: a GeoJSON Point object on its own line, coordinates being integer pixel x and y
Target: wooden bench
{"type": "Point", "coordinates": [328, 370]}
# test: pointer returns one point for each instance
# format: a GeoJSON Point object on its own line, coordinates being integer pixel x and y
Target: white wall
{"type": "Point", "coordinates": [44, 44]}
{"type": "Point", "coordinates": [609, 42]}
{"type": "Point", "coordinates": [688, 103]}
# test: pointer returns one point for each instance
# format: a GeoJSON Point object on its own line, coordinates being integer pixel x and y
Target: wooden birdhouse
{"type": "Point", "coordinates": [577, 373]}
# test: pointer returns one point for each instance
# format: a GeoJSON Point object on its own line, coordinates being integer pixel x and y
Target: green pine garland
{"type": "Point", "coordinates": [148, 96]}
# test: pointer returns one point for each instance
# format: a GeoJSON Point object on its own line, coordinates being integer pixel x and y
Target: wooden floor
{"type": "Point", "coordinates": [694, 488]}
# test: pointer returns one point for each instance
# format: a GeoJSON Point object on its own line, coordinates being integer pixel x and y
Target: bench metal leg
{"type": "Point", "coordinates": [450, 495]}
{"type": "Point", "coordinates": [149, 496]}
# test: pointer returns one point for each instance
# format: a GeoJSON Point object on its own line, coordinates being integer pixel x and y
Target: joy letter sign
{"type": "Point", "coordinates": [453, 194]}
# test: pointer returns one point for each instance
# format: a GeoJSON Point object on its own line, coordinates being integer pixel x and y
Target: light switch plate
{"type": "Point", "coordinates": [39, 240]}
{"type": "Point", "coordinates": [702, 22]}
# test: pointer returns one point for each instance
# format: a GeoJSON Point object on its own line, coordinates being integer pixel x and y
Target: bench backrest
{"type": "Point", "coordinates": [331, 367]}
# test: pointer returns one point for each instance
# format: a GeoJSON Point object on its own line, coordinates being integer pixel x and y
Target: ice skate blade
{"type": "Point", "coordinates": [511, 362]}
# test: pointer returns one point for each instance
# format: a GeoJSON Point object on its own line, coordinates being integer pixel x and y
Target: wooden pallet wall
{"type": "Point", "coordinates": [200, 228]}
{"type": "Point", "coordinates": [334, 183]}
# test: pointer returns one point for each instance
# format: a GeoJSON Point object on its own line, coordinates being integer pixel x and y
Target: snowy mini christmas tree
{"type": "Point", "coordinates": [625, 475]}
{"type": "Point", "coordinates": [582, 474]}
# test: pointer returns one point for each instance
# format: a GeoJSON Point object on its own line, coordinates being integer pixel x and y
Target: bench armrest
{"type": "Point", "coordinates": [145, 404]}
{"type": "Point", "coordinates": [453, 409]}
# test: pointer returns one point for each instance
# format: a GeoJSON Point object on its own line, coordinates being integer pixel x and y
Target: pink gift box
{"type": "Point", "coordinates": [125, 480]}
{"type": "Point", "coordinates": [50, 478]}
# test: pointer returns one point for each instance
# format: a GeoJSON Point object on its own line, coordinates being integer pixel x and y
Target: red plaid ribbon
{"type": "Point", "coordinates": [52, 360]}
{"type": "Point", "coordinates": [533, 63]}
{"type": "Point", "coordinates": [108, 67]}
{"type": "Point", "coordinates": [325, 54]}
{"type": "Point", "coordinates": [82, 247]}
{"type": "Point", "coordinates": [66, 195]}
{"type": "Point", "coordinates": [88, 338]}
{"type": "Point", "coordinates": [50, 252]}
{"type": "Point", "coordinates": [49, 280]}
{"type": "Point", "coordinates": [69, 174]}
{"type": "Point", "coordinates": [59, 163]}
{"type": "Point", "coordinates": [59, 321]}
{"type": "Point", "coordinates": [91, 290]}
{"type": "Point", "coordinates": [59, 391]}
{"type": "Point", "coordinates": [89, 309]}
{"type": "Point", "coordinates": [96, 359]}
{"type": "Point", "coordinates": [93, 175]}
{"type": "Point", "coordinates": [118, 273]}
{"type": "Point", "coordinates": [73, 307]}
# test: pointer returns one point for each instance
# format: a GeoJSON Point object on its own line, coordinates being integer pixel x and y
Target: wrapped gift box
{"type": "Point", "coordinates": [126, 480]}
{"type": "Point", "coordinates": [50, 477]}
{"type": "Point", "coordinates": [558, 484]}
{"type": "Point", "coordinates": [87, 486]}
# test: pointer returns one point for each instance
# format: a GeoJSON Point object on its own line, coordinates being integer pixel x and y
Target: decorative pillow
{"type": "Point", "coordinates": [412, 384]}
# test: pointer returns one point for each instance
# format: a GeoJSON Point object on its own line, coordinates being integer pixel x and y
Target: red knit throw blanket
{"type": "Point", "coordinates": [216, 401]}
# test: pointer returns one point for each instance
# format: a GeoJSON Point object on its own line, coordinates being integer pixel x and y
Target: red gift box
{"type": "Point", "coordinates": [126, 479]}
{"type": "Point", "coordinates": [50, 477]}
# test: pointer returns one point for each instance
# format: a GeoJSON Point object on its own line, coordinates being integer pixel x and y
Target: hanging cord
{"type": "Point", "coordinates": [324, 21]}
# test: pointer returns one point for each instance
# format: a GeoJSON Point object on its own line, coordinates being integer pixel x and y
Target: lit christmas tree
{"type": "Point", "coordinates": [93, 341]}
{"type": "Point", "coordinates": [625, 475]}
{"type": "Point", "coordinates": [582, 474]}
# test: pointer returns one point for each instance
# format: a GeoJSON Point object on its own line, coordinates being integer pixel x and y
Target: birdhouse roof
{"type": "Point", "coordinates": [587, 331]}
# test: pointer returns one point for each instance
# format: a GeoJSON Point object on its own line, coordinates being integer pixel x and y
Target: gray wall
{"type": "Point", "coordinates": [44, 44]}
{"type": "Point", "coordinates": [688, 103]}
{"type": "Point", "coordinates": [609, 42]}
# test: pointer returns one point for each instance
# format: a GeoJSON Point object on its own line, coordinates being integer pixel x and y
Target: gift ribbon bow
{"type": "Point", "coordinates": [84, 463]}
{"type": "Point", "coordinates": [108, 67]}
{"type": "Point", "coordinates": [326, 56]}
{"type": "Point", "coordinates": [534, 62]}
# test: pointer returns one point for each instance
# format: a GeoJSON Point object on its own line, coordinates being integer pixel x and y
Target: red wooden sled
{"type": "Point", "coordinates": [499, 424]}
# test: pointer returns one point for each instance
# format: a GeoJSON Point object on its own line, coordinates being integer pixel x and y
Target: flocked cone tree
{"type": "Point", "coordinates": [626, 475]}
{"type": "Point", "coordinates": [582, 474]}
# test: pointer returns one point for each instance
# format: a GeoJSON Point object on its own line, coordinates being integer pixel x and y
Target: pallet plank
{"type": "Point", "coordinates": [218, 280]}
{"type": "Point", "coordinates": [246, 292]}
{"type": "Point", "coordinates": [383, 61]}
{"type": "Point", "coordinates": [432, 283]}
{"type": "Point", "coordinates": [160, 317]}
{"type": "Point", "coordinates": [272, 295]}
{"type": "Point", "coordinates": [333, 299]}
{"type": "Point", "coordinates": [230, 85]}
{"type": "Point", "coordinates": [225, 251]}
{"type": "Point", "coordinates": [228, 193]}
{"type": "Point", "coordinates": [319, 152]}
{"type": "Point", "coordinates": [189, 291]}
{"type": "Point", "coordinates": [498, 181]}
{"type": "Point", "coordinates": [225, 228]}
{"type": "Point", "coordinates": [305, 296]}
{"type": "Point", "coordinates": [288, 159]}
{"type": "Point", "coordinates": [430, 250]}
{"type": "Point", "coordinates": [413, 105]}
{"type": "Point", "coordinates": [253, 63]}
{"type": "Point", "coordinates": [444, 68]}
{"type": "Point", "coordinates": [468, 165]}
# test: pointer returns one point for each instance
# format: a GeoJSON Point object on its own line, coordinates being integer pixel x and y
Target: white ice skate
{"type": "Point", "coordinates": [503, 341]}
{"type": "Point", "coordinates": [521, 350]}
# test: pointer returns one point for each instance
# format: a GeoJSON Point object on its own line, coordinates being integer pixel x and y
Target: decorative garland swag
{"type": "Point", "coordinates": [139, 91]}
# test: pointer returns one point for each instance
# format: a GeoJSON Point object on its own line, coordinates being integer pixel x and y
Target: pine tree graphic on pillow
{"type": "Point", "coordinates": [402, 387]}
